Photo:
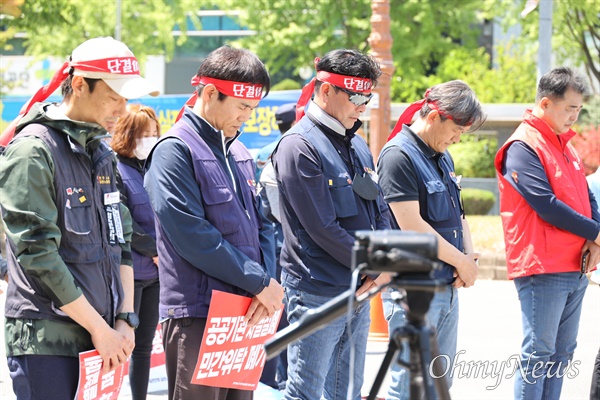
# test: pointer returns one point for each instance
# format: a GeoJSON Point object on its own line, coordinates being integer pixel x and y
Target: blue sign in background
{"type": "Point", "coordinates": [258, 131]}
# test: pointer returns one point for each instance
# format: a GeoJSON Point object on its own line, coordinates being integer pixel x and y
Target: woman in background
{"type": "Point", "coordinates": [134, 136]}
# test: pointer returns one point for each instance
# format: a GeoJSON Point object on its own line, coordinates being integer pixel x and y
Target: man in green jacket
{"type": "Point", "coordinates": [68, 237]}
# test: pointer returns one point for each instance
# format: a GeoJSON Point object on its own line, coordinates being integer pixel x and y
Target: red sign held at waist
{"type": "Point", "coordinates": [232, 353]}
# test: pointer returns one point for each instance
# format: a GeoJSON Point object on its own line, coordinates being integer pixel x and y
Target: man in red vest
{"type": "Point", "coordinates": [550, 220]}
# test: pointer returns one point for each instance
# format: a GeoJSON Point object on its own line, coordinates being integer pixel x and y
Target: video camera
{"type": "Point", "coordinates": [405, 253]}
{"type": "Point", "coordinates": [410, 256]}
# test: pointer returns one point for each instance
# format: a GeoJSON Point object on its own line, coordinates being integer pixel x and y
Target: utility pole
{"type": "Point", "coordinates": [544, 38]}
{"type": "Point", "coordinates": [381, 41]}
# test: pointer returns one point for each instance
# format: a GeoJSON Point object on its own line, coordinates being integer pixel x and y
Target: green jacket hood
{"type": "Point", "coordinates": [81, 132]}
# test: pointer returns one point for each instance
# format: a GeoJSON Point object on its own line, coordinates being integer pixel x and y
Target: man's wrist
{"type": "Point", "coordinates": [130, 318]}
{"type": "Point", "coordinates": [120, 322]}
{"type": "Point", "coordinates": [266, 280]}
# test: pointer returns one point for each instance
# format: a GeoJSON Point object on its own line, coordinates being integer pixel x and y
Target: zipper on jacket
{"type": "Point", "coordinates": [101, 211]}
{"type": "Point", "coordinates": [225, 151]}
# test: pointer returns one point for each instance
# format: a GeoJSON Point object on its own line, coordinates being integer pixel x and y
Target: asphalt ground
{"type": "Point", "coordinates": [489, 331]}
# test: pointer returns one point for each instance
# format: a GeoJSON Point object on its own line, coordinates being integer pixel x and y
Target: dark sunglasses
{"type": "Point", "coordinates": [357, 99]}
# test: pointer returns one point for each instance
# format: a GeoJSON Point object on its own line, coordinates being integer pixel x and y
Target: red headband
{"type": "Point", "coordinates": [116, 65]}
{"type": "Point", "coordinates": [411, 110]}
{"type": "Point", "coordinates": [351, 83]}
{"type": "Point", "coordinates": [240, 90]}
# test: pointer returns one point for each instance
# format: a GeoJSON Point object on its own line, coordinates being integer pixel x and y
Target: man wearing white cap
{"type": "Point", "coordinates": [69, 259]}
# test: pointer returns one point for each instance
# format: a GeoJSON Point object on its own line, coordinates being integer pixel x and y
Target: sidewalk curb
{"type": "Point", "coordinates": [492, 266]}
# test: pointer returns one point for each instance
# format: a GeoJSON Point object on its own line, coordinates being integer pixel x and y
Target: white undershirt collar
{"type": "Point", "coordinates": [320, 115]}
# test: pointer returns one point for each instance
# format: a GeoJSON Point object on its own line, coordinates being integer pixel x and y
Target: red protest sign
{"type": "Point", "coordinates": [232, 354]}
{"type": "Point", "coordinates": [93, 383]}
{"type": "Point", "coordinates": [157, 358]}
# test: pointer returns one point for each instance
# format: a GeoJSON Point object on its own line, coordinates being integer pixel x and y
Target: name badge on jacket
{"type": "Point", "coordinates": [113, 215]}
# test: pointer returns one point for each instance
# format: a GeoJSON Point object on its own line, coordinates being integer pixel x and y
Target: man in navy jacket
{"type": "Point", "coordinates": [328, 191]}
{"type": "Point", "coordinates": [210, 232]}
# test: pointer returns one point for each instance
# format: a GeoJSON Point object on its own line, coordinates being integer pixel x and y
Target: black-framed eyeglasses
{"type": "Point", "coordinates": [358, 99]}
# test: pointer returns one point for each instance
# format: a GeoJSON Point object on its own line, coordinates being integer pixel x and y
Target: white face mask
{"type": "Point", "coordinates": [143, 147]}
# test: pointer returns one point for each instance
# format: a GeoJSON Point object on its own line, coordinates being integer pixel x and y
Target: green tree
{"type": "Point", "coordinates": [298, 31]}
{"type": "Point", "coordinates": [477, 201]}
{"type": "Point", "coordinates": [286, 84]}
{"type": "Point", "coordinates": [516, 68]}
{"type": "Point", "coordinates": [429, 35]}
{"type": "Point", "coordinates": [575, 31]}
{"type": "Point", "coordinates": [56, 27]}
{"type": "Point", "coordinates": [581, 26]}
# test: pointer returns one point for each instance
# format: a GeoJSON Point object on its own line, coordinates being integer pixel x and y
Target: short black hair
{"type": "Point", "coordinates": [457, 100]}
{"type": "Point", "coordinates": [237, 65]}
{"type": "Point", "coordinates": [350, 63]}
{"type": "Point", "coordinates": [67, 88]}
{"type": "Point", "coordinates": [555, 84]}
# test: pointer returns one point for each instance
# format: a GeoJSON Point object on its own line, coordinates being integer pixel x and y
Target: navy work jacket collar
{"type": "Point", "coordinates": [207, 132]}
{"type": "Point", "coordinates": [132, 162]}
{"type": "Point", "coordinates": [421, 145]}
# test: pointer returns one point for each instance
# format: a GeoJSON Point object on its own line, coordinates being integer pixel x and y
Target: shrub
{"type": "Point", "coordinates": [514, 66]}
{"type": "Point", "coordinates": [587, 144]}
{"type": "Point", "coordinates": [287, 84]}
{"type": "Point", "coordinates": [477, 201]}
{"type": "Point", "coordinates": [474, 157]}
{"type": "Point", "coordinates": [590, 114]}
{"type": "Point", "coordinates": [587, 140]}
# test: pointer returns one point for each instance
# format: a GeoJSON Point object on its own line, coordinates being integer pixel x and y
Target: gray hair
{"type": "Point", "coordinates": [455, 100]}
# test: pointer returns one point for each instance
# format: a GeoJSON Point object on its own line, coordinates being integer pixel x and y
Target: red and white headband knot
{"type": "Point", "coordinates": [411, 110]}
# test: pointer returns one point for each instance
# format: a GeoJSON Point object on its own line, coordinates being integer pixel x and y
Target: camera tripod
{"type": "Point", "coordinates": [421, 337]}
{"type": "Point", "coordinates": [412, 257]}
{"type": "Point", "coordinates": [422, 343]}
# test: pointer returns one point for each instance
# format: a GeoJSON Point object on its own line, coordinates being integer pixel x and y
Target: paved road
{"type": "Point", "coordinates": [489, 331]}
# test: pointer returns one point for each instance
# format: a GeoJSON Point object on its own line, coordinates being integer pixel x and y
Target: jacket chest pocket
{"type": "Point", "coordinates": [78, 211]}
{"type": "Point", "coordinates": [139, 205]}
{"type": "Point", "coordinates": [343, 198]}
{"type": "Point", "coordinates": [220, 210]}
{"type": "Point", "coordinates": [438, 203]}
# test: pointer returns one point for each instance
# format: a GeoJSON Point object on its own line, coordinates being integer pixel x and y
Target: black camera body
{"type": "Point", "coordinates": [410, 256]}
{"type": "Point", "coordinates": [402, 252]}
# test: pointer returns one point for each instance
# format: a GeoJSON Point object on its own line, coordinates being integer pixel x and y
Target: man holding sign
{"type": "Point", "coordinates": [68, 236]}
{"type": "Point", "coordinates": [210, 232]}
